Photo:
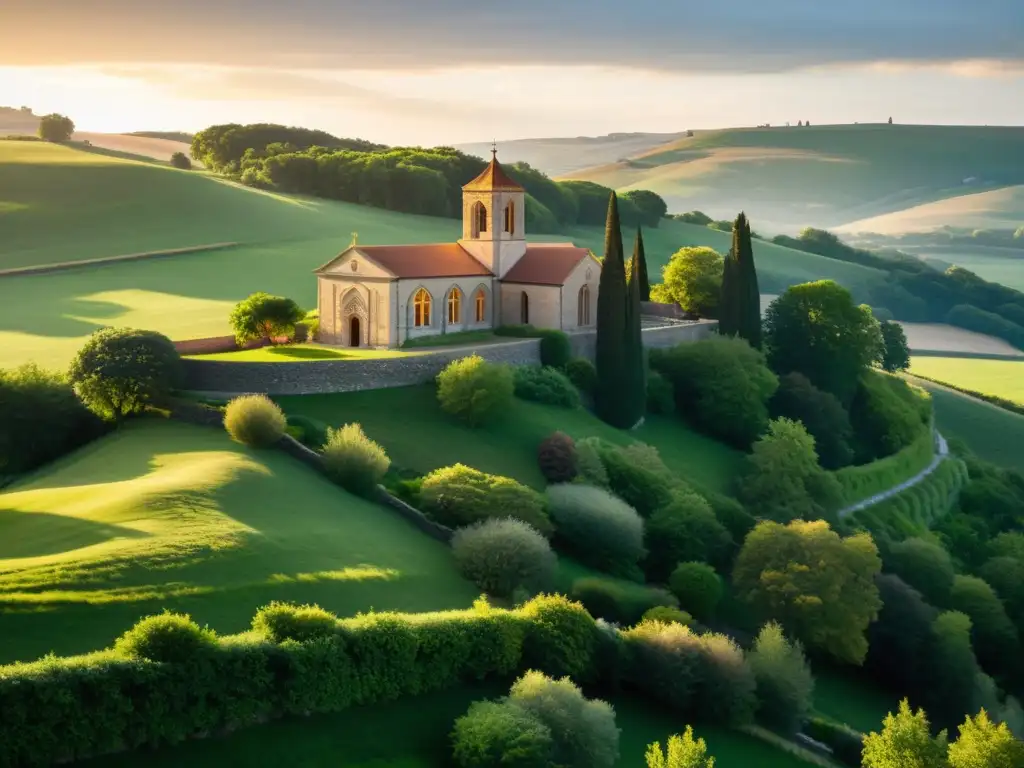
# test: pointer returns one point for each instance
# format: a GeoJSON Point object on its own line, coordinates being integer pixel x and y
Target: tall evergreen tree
{"type": "Point", "coordinates": [749, 306]}
{"type": "Point", "coordinates": [634, 397]}
{"type": "Point", "coordinates": [610, 354]}
{"type": "Point", "coordinates": [638, 254]}
{"type": "Point", "coordinates": [728, 324]}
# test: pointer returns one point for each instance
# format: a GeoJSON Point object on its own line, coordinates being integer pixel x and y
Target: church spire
{"type": "Point", "coordinates": [493, 178]}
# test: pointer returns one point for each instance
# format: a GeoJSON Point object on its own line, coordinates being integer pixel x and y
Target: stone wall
{"type": "Point", "coordinates": [322, 376]}
{"type": "Point", "coordinates": [214, 344]}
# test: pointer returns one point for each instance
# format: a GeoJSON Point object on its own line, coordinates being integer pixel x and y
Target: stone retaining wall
{"type": "Point", "coordinates": [323, 376]}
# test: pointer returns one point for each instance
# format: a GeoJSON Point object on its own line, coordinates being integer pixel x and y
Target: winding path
{"type": "Point", "coordinates": [941, 452]}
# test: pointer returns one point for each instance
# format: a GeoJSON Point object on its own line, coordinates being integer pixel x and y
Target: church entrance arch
{"type": "Point", "coordinates": [354, 337]}
{"type": "Point", "coordinates": [354, 320]}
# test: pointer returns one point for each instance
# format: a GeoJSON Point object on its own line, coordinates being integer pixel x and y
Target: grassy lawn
{"type": "Point", "coordinates": [454, 339]}
{"type": "Point", "coordinates": [1002, 378]}
{"type": "Point", "coordinates": [164, 515]}
{"type": "Point", "coordinates": [300, 353]}
{"type": "Point", "coordinates": [409, 423]}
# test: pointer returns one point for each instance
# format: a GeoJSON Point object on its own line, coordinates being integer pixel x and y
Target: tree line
{"type": "Point", "coordinates": [407, 179]}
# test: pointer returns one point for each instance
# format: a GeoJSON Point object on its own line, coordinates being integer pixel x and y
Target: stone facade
{"type": "Point", "coordinates": [315, 377]}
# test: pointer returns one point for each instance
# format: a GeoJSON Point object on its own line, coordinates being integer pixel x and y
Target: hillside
{"type": "Point", "coordinates": [556, 156]}
{"type": "Point", "coordinates": [154, 147]}
{"type": "Point", "coordinates": [826, 176]}
{"type": "Point", "coordinates": [996, 209]}
{"type": "Point", "coordinates": [69, 204]}
{"type": "Point", "coordinates": [168, 515]}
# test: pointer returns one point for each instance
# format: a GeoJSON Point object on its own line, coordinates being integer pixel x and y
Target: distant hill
{"type": "Point", "coordinates": [169, 135]}
{"type": "Point", "coordinates": [556, 156]}
{"type": "Point", "coordinates": [826, 176]}
{"type": "Point", "coordinates": [17, 121]}
{"type": "Point", "coordinates": [141, 146]}
{"type": "Point", "coordinates": [996, 209]}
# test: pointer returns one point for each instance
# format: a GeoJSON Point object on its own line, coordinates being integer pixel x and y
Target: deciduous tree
{"type": "Point", "coordinates": [262, 316]}
{"type": "Point", "coordinates": [56, 128]}
{"type": "Point", "coordinates": [895, 350]}
{"type": "Point", "coordinates": [905, 742]}
{"type": "Point", "coordinates": [683, 752]}
{"type": "Point", "coordinates": [693, 280]}
{"type": "Point", "coordinates": [982, 743]}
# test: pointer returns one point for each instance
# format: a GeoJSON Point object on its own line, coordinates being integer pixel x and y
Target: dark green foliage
{"type": "Point", "coordinates": [722, 386]}
{"type": "Point", "coordinates": [640, 258]}
{"type": "Point", "coordinates": [474, 390]}
{"type": "Point", "coordinates": [682, 531]}
{"type": "Point", "coordinates": [900, 639]}
{"type": "Point", "coordinates": [601, 530]}
{"type": "Point", "coordinates": [302, 623]}
{"type": "Point", "coordinates": [254, 420]}
{"type": "Point", "coordinates": [845, 742]}
{"type": "Point", "coordinates": [667, 614]}
{"type": "Point", "coordinates": [660, 397]}
{"type": "Point", "coordinates": [619, 602]}
{"type": "Point", "coordinates": [41, 419]}
{"type": "Point", "coordinates": [732, 515]}
{"type": "Point", "coordinates": [1006, 575]}
{"type": "Point", "coordinates": [546, 385]}
{"type": "Point", "coordinates": [895, 351]}
{"type": "Point", "coordinates": [994, 497]}
{"type": "Point", "coordinates": [313, 432]}
{"type": "Point", "coordinates": [180, 161]}
{"type": "Point", "coordinates": [119, 371]}
{"type": "Point", "coordinates": [497, 734]}
{"type": "Point", "coordinates": [698, 588]}
{"type": "Point", "coordinates": [993, 635]}
{"type": "Point", "coordinates": [816, 329]}
{"type": "Point", "coordinates": [634, 398]}
{"type": "Point", "coordinates": [888, 414]}
{"type": "Point", "coordinates": [583, 374]}
{"type": "Point", "coordinates": [262, 316]}
{"type": "Point", "coordinates": [460, 495]}
{"type": "Point", "coordinates": [503, 556]}
{"type": "Point", "coordinates": [557, 458]}
{"type": "Point", "coordinates": [612, 331]}
{"type": "Point", "coordinates": [555, 349]}
{"type": "Point", "coordinates": [222, 147]}
{"type": "Point", "coordinates": [785, 685]}
{"type": "Point", "coordinates": [989, 323]}
{"type": "Point", "coordinates": [748, 299]}
{"type": "Point", "coordinates": [694, 217]}
{"type": "Point", "coordinates": [953, 669]}
{"type": "Point", "coordinates": [821, 413]}
{"type": "Point", "coordinates": [925, 566]}
{"type": "Point", "coordinates": [169, 637]}
{"type": "Point", "coordinates": [650, 205]}
{"type": "Point", "coordinates": [56, 128]}
{"type": "Point", "coordinates": [561, 637]}
{"type": "Point", "coordinates": [640, 486]}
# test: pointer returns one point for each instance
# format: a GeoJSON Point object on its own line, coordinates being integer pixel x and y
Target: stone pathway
{"type": "Point", "coordinates": [941, 452]}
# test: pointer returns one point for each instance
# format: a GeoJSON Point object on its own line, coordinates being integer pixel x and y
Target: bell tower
{"type": "Point", "coordinates": [493, 218]}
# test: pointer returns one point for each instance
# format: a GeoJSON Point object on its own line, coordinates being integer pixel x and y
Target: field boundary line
{"type": "Point", "coordinates": [61, 266]}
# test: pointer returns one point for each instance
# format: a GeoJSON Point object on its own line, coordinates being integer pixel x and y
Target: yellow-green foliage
{"type": "Point", "coordinates": [356, 462]}
{"type": "Point", "coordinates": [868, 479]}
{"type": "Point", "coordinates": [682, 752]}
{"type": "Point", "coordinates": [475, 390]}
{"type": "Point", "coordinates": [254, 420]}
{"type": "Point", "coordinates": [460, 495]}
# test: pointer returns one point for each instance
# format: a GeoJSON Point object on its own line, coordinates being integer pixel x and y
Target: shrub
{"type": "Point", "coordinates": [180, 161]}
{"type": "Point", "coordinates": [41, 419]}
{"type": "Point", "coordinates": [501, 556]}
{"type": "Point", "coordinates": [557, 458]}
{"type": "Point", "coordinates": [545, 385]}
{"type": "Point", "coordinates": [602, 530]}
{"type": "Point", "coordinates": [302, 623]}
{"type": "Point", "coordinates": [583, 731]}
{"type": "Point", "coordinates": [993, 635]}
{"type": "Point", "coordinates": [925, 566]}
{"type": "Point", "coordinates": [460, 495]}
{"type": "Point", "coordinates": [354, 461]}
{"type": "Point", "coordinates": [684, 530]}
{"type": "Point", "coordinates": [561, 637]}
{"type": "Point", "coordinates": [888, 414]}
{"type": "Point", "coordinates": [666, 614]}
{"type": "Point", "coordinates": [555, 349]}
{"type": "Point", "coordinates": [660, 397]}
{"type": "Point", "coordinates": [698, 588]}
{"type": "Point", "coordinates": [254, 420]}
{"type": "Point", "coordinates": [732, 515]}
{"type": "Point", "coordinates": [589, 464]}
{"type": "Point", "coordinates": [312, 323]}
{"type": "Point", "coordinates": [617, 601]}
{"type": "Point", "coordinates": [722, 385]}
{"type": "Point", "coordinates": [681, 752]}
{"type": "Point", "coordinates": [496, 734]}
{"type": "Point", "coordinates": [119, 371]}
{"type": "Point", "coordinates": [475, 391]}
{"type": "Point", "coordinates": [582, 373]}
{"type": "Point", "coordinates": [167, 637]}
{"type": "Point", "coordinates": [785, 685]}
{"type": "Point", "coordinates": [642, 487]}
{"type": "Point", "coordinates": [262, 316]}
{"type": "Point", "coordinates": [821, 413]}
{"type": "Point", "coordinates": [846, 743]}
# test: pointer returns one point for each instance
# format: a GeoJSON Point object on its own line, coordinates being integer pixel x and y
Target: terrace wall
{"type": "Point", "coordinates": [324, 376]}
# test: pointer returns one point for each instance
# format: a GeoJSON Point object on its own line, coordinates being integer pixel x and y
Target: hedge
{"type": "Point", "coordinates": [866, 480]}
{"type": "Point", "coordinates": [63, 709]}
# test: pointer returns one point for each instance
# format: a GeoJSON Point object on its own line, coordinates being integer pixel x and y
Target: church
{"type": "Point", "coordinates": [383, 295]}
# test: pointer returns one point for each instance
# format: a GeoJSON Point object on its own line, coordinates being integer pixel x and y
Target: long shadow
{"type": "Point", "coordinates": [1019, 358]}
{"type": "Point", "coordinates": [35, 534]}
{"type": "Point", "coordinates": [116, 153]}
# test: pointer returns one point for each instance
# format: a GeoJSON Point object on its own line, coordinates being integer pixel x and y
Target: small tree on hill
{"type": "Point", "coordinates": [180, 161]}
{"type": "Point", "coordinates": [651, 206]}
{"type": "Point", "coordinates": [693, 280]}
{"type": "Point", "coordinates": [262, 316]}
{"type": "Point", "coordinates": [890, 121]}
{"type": "Point", "coordinates": [56, 128]}
{"type": "Point", "coordinates": [895, 350]}
{"type": "Point", "coordinates": [610, 354]}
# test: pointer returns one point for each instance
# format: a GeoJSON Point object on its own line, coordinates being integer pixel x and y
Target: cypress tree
{"type": "Point", "coordinates": [748, 305]}
{"type": "Point", "coordinates": [638, 253]}
{"type": "Point", "coordinates": [611, 344]}
{"type": "Point", "coordinates": [727, 305]}
{"type": "Point", "coordinates": [634, 398]}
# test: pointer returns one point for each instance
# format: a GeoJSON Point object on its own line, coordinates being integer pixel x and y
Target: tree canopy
{"type": "Point", "coordinates": [56, 128]}
{"type": "Point", "coordinates": [693, 280]}
{"type": "Point", "coordinates": [262, 316]}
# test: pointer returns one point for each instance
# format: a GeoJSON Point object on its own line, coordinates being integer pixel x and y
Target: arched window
{"type": "Point", "coordinates": [524, 309]}
{"type": "Point", "coordinates": [479, 219]}
{"type": "Point", "coordinates": [481, 305]}
{"type": "Point", "coordinates": [421, 308]}
{"type": "Point", "coordinates": [583, 310]}
{"type": "Point", "coordinates": [455, 307]}
{"type": "Point", "coordinates": [510, 217]}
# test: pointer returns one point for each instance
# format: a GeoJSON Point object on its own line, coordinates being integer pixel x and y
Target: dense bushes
{"type": "Point", "coordinates": [41, 419]}
{"type": "Point", "coordinates": [493, 734]}
{"type": "Point", "coordinates": [722, 385]}
{"type": "Point", "coordinates": [119, 371]}
{"type": "Point", "coordinates": [602, 531]}
{"type": "Point", "coordinates": [698, 588]}
{"type": "Point", "coordinates": [555, 349]}
{"type": "Point", "coordinates": [180, 161]}
{"type": "Point", "coordinates": [354, 461]}
{"type": "Point", "coordinates": [169, 637]}
{"type": "Point", "coordinates": [618, 601]}
{"type": "Point", "coordinates": [846, 744]}
{"type": "Point", "coordinates": [302, 623]}
{"type": "Point", "coordinates": [475, 390]}
{"type": "Point", "coordinates": [880, 475]}
{"type": "Point", "coordinates": [502, 556]}
{"type": "Point", "coordinates": [785, 685]}
{"type": "Point", "coordinates": [545, 385]}
{"type": "Point", "coordinates": [588, 463]}
{"type": "Point", "coordinates": [889, 415]}
{"type": "Point", "coordinates": [582, 373]}
{"type": "Point", "coordinates": [821, 413]}
{"type": "Point", "coordinates": [925, 566]}
{"type": "Point", "coordinates": [460, 495]}
{"type": "Point", "coordinates": [557, 458]}
{"type": "Point", "coordinates": [660, 397]}
{"type": "Point", "coordinates": [254, 420]}
{"type": "Point", "coordinates": [634, 476]}
{"type": "Point", "coordinates": [683, 530]}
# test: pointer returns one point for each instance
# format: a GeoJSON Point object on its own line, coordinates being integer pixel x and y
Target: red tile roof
{"type": "Point", "coordinates": [493, 178]}
{"type": "Point", "coordinates": [549, 264]}
{"type": "Point", "coordinates": [434, 260]}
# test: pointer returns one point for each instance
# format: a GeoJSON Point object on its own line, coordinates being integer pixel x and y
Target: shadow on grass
{"type": "Point", "coordinates": [36, 534]}
{"type": "Point", "coordinates": [306, 353]}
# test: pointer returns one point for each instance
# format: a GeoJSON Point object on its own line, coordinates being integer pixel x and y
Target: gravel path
{"type": "Point", "coordinates": [941, 452]}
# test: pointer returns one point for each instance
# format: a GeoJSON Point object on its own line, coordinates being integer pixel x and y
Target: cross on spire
{"type": "Point", "coordinates": [355, 238]}
{"type": "Point", "coordinates": [494, 150]}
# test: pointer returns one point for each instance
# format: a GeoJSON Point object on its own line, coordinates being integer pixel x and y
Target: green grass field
{"type": "Point", "coordinates": [826, 176]}
{"type": "Point", "coordinates": [299, 353]}
{"type": "Point", "coordinates": [1001, 378]}
{"type": "Point", "coordinates": [417, 435]}
{"type": "Point", "coordinates": [164, 515]}
{"type": "Point", "coordinates": [62, 204]}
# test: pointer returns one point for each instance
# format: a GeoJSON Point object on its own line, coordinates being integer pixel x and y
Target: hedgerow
{"type": "Point", "coordinates": [460, 495]}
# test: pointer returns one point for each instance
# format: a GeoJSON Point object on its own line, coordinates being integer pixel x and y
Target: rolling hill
{"type": "Point", "coordinates": [825, 176]}
{"type": "Point", "coordinates": [996, 209]}
{"type": "Point", "coordinates": [67, 204]}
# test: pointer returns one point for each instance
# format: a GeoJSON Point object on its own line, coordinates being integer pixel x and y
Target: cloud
{"type": "Point", "coordinates": [672, 35]}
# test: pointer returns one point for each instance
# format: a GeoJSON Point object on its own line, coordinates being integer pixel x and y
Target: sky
{"type": "Point", "coordinates": [452, 71]}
